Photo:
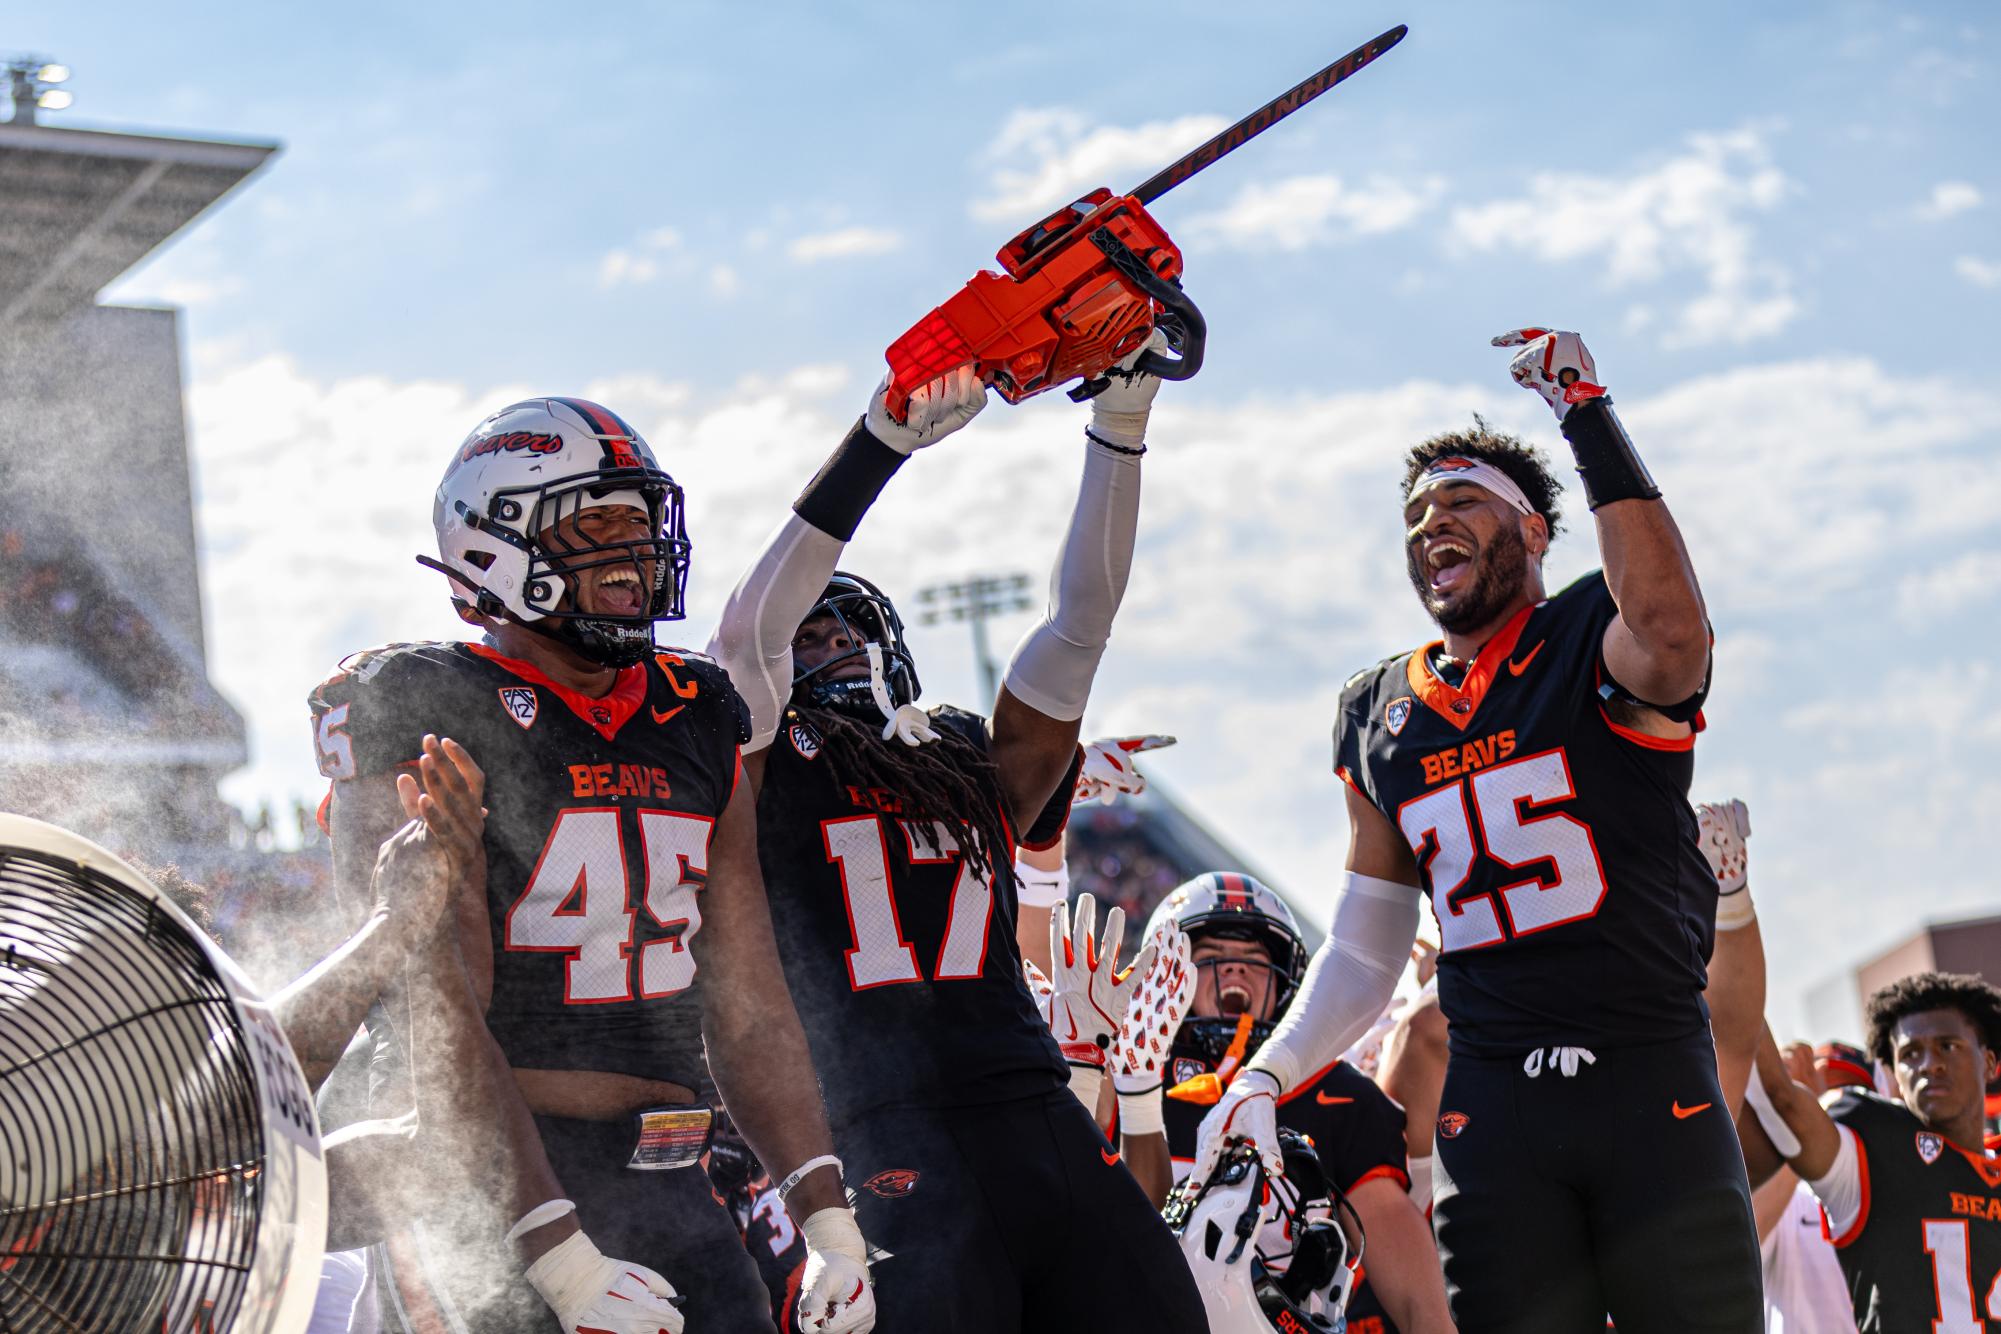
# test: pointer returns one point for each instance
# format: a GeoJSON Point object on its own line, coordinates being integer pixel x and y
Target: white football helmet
{"type": "Point", "coordinates": [523, 472]}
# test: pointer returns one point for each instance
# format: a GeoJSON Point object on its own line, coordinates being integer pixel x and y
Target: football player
{"type": "Point", "coordinates": [1248, 963]}
{"type": "Point", "coordinates": [1529, 772]}
{"type": "Point", "coordinates": [887, 834]}
{"type": "Point", "coordinates": [615, 927]}
{"type": "Point", "coordinates": [1911, 1196]}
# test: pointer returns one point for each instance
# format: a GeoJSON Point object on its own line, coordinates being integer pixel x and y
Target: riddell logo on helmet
{"type": "Point", "coordinates": [1453, 1124]}
{"type": "Point", "coordinates": [535, 442]}
{"type": "Point", "coordinates": [892, 1184]}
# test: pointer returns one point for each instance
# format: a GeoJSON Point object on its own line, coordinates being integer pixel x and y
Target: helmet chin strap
{"type": "Point", "coordinates": [907, 723]}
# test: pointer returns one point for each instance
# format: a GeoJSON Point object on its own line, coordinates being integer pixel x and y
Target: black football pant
{"type": "Point", "coordinates": [670, 1221]}
{"type": "Point", "coordinates": [1008, 1217]}
{"type": "Point", "coordinates": [1617, 1190]}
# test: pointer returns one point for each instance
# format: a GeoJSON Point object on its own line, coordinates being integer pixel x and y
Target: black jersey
{"type": "Point", "coordinates": [901, 958]}
{"type": "Point", "coordinates": [1924, 1253]}
{"type": "Point", "coordinates": [597, 837]}
{"type": "Point", "coordinates": [1558, 847]}
{"type": "Point", "coordinates": [1357, 1129]}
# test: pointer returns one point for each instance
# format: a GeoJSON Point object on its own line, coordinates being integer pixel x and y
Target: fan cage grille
{"type": "Point", "coordinates": [129, 1113]}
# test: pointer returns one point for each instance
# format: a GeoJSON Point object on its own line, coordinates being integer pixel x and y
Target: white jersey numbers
{"type": "Point", "coordinates": [858, 846]}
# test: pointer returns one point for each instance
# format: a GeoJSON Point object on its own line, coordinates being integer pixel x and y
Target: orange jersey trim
{"type": "Point", "coordinates": [1311, 1082]}
{"type": "Point", "coordinates": [1680, 743]}
{"type": "Point", "coordinates": [1457, 705]}
{"type": "Point", "coordinates": [627, 693]}
{"type": "Point", "coordinates": [1341, 772]}
{"type": "Point", "coordinates": [1861, 1215]}
{"type": "Point", "coordinates": [1380, 1172]}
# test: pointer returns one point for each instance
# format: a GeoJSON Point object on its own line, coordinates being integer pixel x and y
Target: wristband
{"type": "Point", "coordinates": [1775, 1127]}
{"type": "Point", "coordinates": [1734, 910]}
{"type": "Point", "coordinates": [1606, 460]}
{"type": "Point", "coordinates": [804, 1170]}
{"type": "Point", "coordinates": [848, 483]}
{"type": "Point", "coordinates": [1087, 1082]}
{"type": "Point", "coordinates": [540, 1216]}
{"type": "Point", "coordinates": [1142, 1113]}
{"type": "Point", "coordinates": [1037, 888]}
{"type": "Point", "coordinates": [1096, 439]}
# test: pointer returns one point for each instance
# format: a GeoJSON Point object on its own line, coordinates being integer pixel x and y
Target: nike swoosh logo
{"type": "Point", "coordinates": [1326, 1101]}
{"type": "Point", "coordinates": [1516, 666]}
{"type": "Point", "coordinates": [1111, 1158]}
{"type": "Point", "coordinates": [1682, 1113]}
{"type": "Point", "coordinates": [660, 717]}
{"type": "Point", "coordinates": [1071, 1019]}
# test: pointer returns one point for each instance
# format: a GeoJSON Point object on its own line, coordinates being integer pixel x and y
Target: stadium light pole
{"type": "Point", "coordinates": [975, 600]}
{"type": "Point", "coordinates": [31, 84]}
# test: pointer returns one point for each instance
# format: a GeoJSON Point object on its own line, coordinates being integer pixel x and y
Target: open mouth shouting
{"type": "Point", "coordinates": [1448, 565]}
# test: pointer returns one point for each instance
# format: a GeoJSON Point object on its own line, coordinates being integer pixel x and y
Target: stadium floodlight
{"type": "Point", "coordinates": [30, 86]}
{"type": "Point", "coordinates": [975, 600]}
{"type": "Point", "coordinates": [163, 1167]}
{"type": "Point", "coordinates": [55, 99]}
{"type": "Point", "coordinates": [52, 73]}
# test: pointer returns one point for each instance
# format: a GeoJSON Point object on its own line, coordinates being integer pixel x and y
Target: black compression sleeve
{"type": "Point", "coordinates": [847, 484]}
{"type": "Point", "coordinates": [1606, 460]}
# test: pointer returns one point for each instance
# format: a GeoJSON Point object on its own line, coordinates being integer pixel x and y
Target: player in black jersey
{"type": "Point", "coordinates": [887, 835]}
{"type": "Point", "coordinates": [1530, 774]}
{"type": "Point", "coordinates": [617, 930]}
{"type": "Point", "coordinates": [1910, 1194]}
{"type": "Point", "coordinates": [1248, 963]}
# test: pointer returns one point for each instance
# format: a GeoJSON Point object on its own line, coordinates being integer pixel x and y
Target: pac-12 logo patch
{"type": "Point", "coordinates": [805, 740]}
{"type": "Point", "coordinates": [1930, 1146]}
{"type": "Point", "coordinates": [520, 704]}
{"type": "Point", "coordinates": [892, 1184]}
{"type": "Point", "coordinates": [1452, 1124]}
{"type": "Point", "coordinates": [1185, 1069]}
{"type": "Point", "coordinates": [1397, 714]}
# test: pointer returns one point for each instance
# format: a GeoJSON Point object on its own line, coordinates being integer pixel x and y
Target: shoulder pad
{"type": "Point", "coordinates": [361, 667]}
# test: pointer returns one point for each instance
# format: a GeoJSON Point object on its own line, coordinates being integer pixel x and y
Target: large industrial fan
{"type": "Point", "coordinates": [160, 1164]}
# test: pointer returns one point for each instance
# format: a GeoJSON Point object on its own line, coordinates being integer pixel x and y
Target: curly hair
{"type": "Point", "coordinates": [1967, 993]}
{"type": "Point", "coordinates": [1524, 464]}
{"type": "Point", "coordinates": [950, 780]}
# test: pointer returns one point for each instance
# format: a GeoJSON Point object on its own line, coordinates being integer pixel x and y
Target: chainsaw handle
{"type": "Point", "coordinates": [1187, 332]}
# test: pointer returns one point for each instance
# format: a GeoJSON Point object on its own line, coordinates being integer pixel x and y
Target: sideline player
{"type": "Point", "coordinates": [1530, 772]}
{"type": "Point", "coordinates": [887, 835]}
{"type": "Point", "coordinates": [1248, 961]}
{"type": "Point", "coordinates": [619, 858]}
{"type": "Point", "coordinates": [1912, 1197]}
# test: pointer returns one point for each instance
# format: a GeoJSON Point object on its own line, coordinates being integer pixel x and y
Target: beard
{"type": "Point", "coordinates": [1502, 566]}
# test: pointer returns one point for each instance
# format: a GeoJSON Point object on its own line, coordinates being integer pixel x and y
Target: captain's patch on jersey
{"type": "Point", "coordinates": [519, 702]}
{"type": "Point", "coordinates": [1930, 1146]}
{"type": "Point", "coordinates": [805, 740]}
{"type": "Point", "coordinates": [1397, 714]}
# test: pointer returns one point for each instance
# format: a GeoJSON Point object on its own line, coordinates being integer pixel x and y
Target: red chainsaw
{"type": "Point", "coordinates": [1082, 289]}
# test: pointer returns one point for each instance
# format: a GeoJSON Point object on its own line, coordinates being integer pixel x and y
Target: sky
{"type": "Point", "coordinates": [1776, 226]}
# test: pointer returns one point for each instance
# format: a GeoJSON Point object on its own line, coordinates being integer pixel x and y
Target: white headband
{"type": "Point", "coordinates": [1456, 469]}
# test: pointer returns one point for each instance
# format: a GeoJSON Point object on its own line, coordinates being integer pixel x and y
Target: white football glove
{"type": "Point", "coordinates": [1725, 826]}
{"type": "Point", "coordinates": [1556, 365]}
{"type": "Point", "coordinates": [1119, 411]}
{"type": "Point", "coordinates": [1108, 770]}
{"type": "Point", "coordinates": [936, 410]}
{"type": "Point", "coordinates": [1247, 1111]}
{"type": "Point", "coordinates": [1091, 994]}
{"type": "Point", "coordinates": [1040, 990]}
{"type": "Point", "coordinates": [835, 1295]}
{"type": "Point", "coordinates": [594, 1294]}
{"type": "Point", "coordinates": [1139, 1053]}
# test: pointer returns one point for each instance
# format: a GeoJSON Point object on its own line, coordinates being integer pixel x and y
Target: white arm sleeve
{"type": "Point", "coordinates": [1353, 975]}
{"type": "Point", "coordinates": [753, 640]}
{"type": "Point", "coordinates": [1840, 1191]}
{"type": "Point", "coordinates": [1053, 666]}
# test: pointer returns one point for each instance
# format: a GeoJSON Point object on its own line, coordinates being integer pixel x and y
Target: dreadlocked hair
{"type": "Point", "coordinates": [1524, 464]}
{"type": "Point", "coordinates": [1971, 995]}
{"type": "Point", "coordinates": [949, 780]}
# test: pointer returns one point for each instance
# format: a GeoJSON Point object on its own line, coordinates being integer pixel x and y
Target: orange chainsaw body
{"type": "Point", "coordinates": [1057, 312]}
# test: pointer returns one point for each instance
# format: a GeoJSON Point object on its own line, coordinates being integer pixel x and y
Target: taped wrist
{"type": "Point", "coordinates": [1734, 910]}
{"type": "Point", "coordinates": [568, 1275]}
{"type": "Point", "coordinates": [834, 1229]}
{"type": "Point", "coordinates": [1087, 1082]}
{"type": "Point", "coordinates": [1352, 977]}
{"type": "Point", "coordinates": [1142, 1113]}
{"type": "Point", "coordinates": [1606, 461]}
{"type": "Point", "coordinates": [848, 483]}
{"type": "Point", "coordinates": [1775, 1127]}
{"type": "Point", "coordinates": [1054, 664]}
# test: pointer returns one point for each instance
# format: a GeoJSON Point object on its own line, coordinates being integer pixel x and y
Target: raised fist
{"type": "Point", "coordinates": [1555, 364]}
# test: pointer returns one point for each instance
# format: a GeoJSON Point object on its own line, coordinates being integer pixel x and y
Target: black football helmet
{"type": "Point", "coordinates": [866, 617]}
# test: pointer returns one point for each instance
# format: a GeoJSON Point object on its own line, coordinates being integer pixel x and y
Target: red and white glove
{"type": "Point", "coordinates": [1247, 1112]}
{"type": "Point", "coordinates": [1724, 827]}
{"type": "Point", "coordinates": [1040, 989]}
{"type": "Point", "coordinates": [1108, 768]}
{"type": "Point", "coordinates": [1139, 1053]}
{"type": "Point", "coordinates": [1556, 365]}
{"type": "Point", "coordinates": [835, 1295]}
{"type": "Point", "coordinates": [937, 409]}
{"type": "Point", "coordinates": [594, 1294]}
{"type": "Point", "coordinates": [1091, 994]}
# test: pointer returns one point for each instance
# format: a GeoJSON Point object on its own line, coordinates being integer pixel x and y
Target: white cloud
{"type": "Point", "coordinates": [1688, 215]}
{"type": "Point", "coordinates": [640, 263]}
{"type": "Point", "coordinates": [846, 243]}
{"type": "Point", "coordinates": [1304, 211]}
{"type": "Point", "coordinates": [1980, 272]}
{"type": "Point", "coordinates": [724, 281]}
{"type": "Point", "coordinates": [1043, 158]}
{"type": "Point", "coordinates": [1948, 198]}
